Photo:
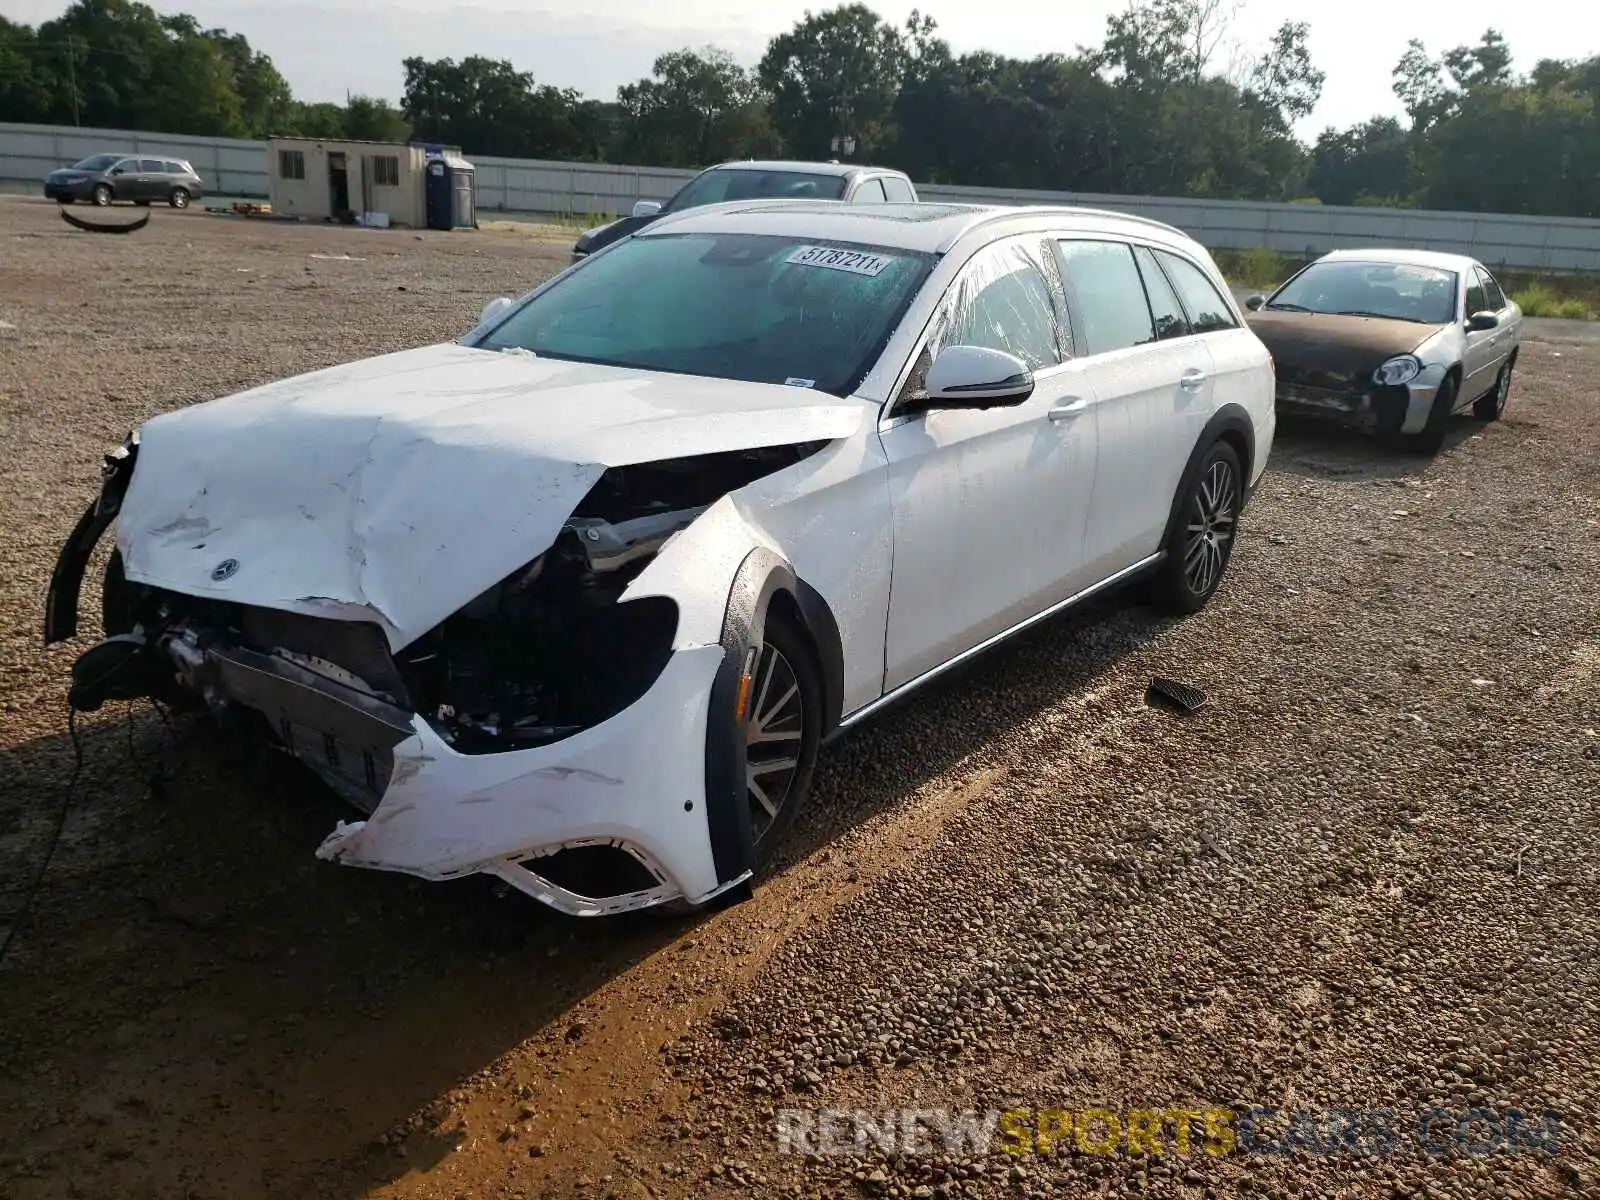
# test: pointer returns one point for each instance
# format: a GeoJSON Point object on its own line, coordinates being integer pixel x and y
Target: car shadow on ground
{"type": "Point", "coordinates": [1306, 446]}
{"type": "Point", "coordinates": [224, 987]}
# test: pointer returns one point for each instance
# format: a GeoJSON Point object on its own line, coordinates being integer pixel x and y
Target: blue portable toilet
{"type": "Point", "coordinates": [451, 192]}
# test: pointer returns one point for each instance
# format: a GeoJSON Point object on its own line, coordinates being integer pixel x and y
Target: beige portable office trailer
{"type": "Point", "coordinates": [333, 180]}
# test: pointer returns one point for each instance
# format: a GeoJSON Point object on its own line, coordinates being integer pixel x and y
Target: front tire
{"type": "Point", "coordinates": [782, 733]}
{"type": "Point", "coordinates": [777, 726]}
{"type": "Point", "coordinates": [179, 198]}
{"type": "Point", "coordinates": [1200, 543]}
{"type": "Point", "coordinates": [101, 195]}
{"type": "Point", "coordinates": [1493, 406]}
{"type": "Point", "coordinates": [1431, 438]}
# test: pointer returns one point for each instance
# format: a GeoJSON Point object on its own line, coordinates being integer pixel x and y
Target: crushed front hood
{"type": "Point", "coordinates": [397, 488]}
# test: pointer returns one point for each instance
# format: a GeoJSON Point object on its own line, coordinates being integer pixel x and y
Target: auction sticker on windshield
{"type": "Point", "coordinates": [854, 261]}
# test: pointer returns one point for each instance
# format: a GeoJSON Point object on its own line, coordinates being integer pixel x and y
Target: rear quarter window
{"type": "Point", "coordinates": [1208, 311]}
{"type": "Point", "coordinates": [898, 190]}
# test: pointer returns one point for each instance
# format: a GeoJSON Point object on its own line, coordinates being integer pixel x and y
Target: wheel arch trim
{"type": "Point", "coordinates": [1229, 422]}
{"type": "Point", "coordinates": [761, 578]}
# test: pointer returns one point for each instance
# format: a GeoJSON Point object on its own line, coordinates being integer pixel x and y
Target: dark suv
{"type": "Point", "coordinates": [102, 178]}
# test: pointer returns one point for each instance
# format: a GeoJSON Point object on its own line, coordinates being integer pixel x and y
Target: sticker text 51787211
{"type": "Point", "coordinates": [857, 262]}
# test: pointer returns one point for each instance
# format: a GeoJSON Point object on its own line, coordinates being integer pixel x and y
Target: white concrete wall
{"type": "Point", "coordinates": [239, 168]}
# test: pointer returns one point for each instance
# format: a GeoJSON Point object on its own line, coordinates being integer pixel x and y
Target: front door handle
{"type": "Point", "coordinates": [1192, 379]}
{"type": "Point", "coordinates": [1067, 408]}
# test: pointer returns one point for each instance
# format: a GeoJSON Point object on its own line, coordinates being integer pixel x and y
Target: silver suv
{"type": "Point", "coordinates": [848, 182]}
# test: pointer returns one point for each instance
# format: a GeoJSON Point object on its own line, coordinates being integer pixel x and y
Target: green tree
{"type": "Point", "coordinates": [266, 103]}
{"type": "Point", "coordinates": [836, 72]}
{"type": "Point", "coordinates": [488, 107]}
{"type": "Point", "coordinates": [698, 107]}
{"type": "Point", "coordinates": [190, 88]}
{"type": "Point", "coordinates": [1366, 163]}
{"type": "Point", "coordinates": [1517, 148]}
{"type": "Point", "coordinates": [1488, 64]}
{"type": "Point", "coordinates": [1419, 83]}
{"type": "Point", "coordinates": [26, 75]}
{"type": "Point", "coordinates": [370, 119]}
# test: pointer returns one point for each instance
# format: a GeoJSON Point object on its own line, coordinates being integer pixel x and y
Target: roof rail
{"type": "Point", "coordinates": [994, 212]}
{"type": "Point", "coordinates": [1127, 216]}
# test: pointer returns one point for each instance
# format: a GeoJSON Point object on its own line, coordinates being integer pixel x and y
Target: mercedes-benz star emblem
{"type": "Point", "coordinates": [224, 569]}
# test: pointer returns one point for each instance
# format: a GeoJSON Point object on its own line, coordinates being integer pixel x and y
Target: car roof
{"type": "Point", "coordinates": [1407, 258]}
{"type": "Point", "coordinates": [798, 167]}
{"type": "Point", "coordinates": [924, 228]}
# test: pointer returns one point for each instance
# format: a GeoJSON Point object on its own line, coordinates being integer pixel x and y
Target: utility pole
{"type": "Point", "coordinates": [72, 75]}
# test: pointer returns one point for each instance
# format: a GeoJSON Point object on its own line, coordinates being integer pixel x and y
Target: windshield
{"type": "Point", "coordinates": [731, 306]}
{"type": "Point", "coordinates": [1426, 295]}
{"type": "Point", "coordinates": [97, 162]}
{"type": "Point", "coordinates": [740, 183]}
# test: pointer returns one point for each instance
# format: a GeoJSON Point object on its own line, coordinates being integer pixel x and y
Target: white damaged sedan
{"type": "Point", "coordinates": [575, 600]}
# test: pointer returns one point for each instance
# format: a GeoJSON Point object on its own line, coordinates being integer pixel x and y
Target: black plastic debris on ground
{"type": "Point", "coordinates": [1174, 696]}
{"type": "Point", "coordinates": [92, 227]}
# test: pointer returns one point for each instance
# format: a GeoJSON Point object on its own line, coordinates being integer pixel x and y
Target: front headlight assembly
{"type": "Point", "coordinates": [1397, 371]}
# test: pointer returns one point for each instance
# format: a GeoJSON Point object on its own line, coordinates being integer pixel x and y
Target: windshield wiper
{"type": "Point", "coordinates": [1287, 307]}
{"type": "Point", "coordinates": [1361, 312]}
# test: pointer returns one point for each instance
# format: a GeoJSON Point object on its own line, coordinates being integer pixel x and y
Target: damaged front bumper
{"type": "Point", "coordinates": [634, 784]}
{"type": "Point", "coordinates": [607, 819]}
{"type": "Point", "coordinates": [1401, 409]}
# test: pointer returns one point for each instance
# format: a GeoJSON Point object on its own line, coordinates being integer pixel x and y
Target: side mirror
{"type": "Point", "coordinates": [977, 377]}
{"type": "Point", "coordinates": [1480, 321]}
{"type": "Point", "coordinates": [116, 170]}
{"type": "Point", "coordinates": [646, 208]}
{"type": "Point", "coordinates": [494, 308]}
{"type": "Point", "coordinates": [1255, 302]}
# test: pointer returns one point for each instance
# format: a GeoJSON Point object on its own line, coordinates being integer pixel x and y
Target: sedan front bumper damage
{"type": "Point", "coordinates": [1401, 409]}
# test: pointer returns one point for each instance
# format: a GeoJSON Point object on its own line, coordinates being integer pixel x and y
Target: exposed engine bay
{"type": "Point", "coordinates": [548, 651]}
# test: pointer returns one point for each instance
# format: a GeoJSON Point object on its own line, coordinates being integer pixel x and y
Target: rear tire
{"type": "Point", "coordinates": [1493, 406]}
{"type": "Point", "coordinates": [1200, 544]}
{"type": "Point", "coordinates": [1431, 438]}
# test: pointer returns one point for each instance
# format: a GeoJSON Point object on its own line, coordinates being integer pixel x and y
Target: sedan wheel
{"type": "Point", "coordinates": [101, 195]}
{"type": "Point", "coordinates": [179, 198]}
{"type": "Point", "coordinates": [1492, 406]}
{"type": "Point", "coordinates": [781, 734]}
{"type": "Point", "coordinates": [1201, 539]}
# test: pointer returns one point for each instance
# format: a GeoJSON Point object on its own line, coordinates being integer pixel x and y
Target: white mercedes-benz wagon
{"type": "Point", "coordinates": [574, 600]}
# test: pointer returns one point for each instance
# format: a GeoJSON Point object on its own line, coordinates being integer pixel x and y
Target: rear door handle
{"type": "Point", "coordinates": [1192, 379]}
{"type": "Point", "coordinates": [1067, 408]}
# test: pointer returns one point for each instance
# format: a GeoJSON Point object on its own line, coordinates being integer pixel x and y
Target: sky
{"type": "Point", "coordinates": [328, 48]}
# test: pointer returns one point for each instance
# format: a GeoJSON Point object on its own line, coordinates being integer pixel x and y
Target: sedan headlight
{"type": "Point", "coordinates": [1399, 370]}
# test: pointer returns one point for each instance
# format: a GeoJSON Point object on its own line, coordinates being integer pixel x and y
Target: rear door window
{"type": "Point", "coordinates": [1208, 311]}
{"type": "Point", "coordinates": [1112, 313]}
{"type": "Point", "coordinates": [151, 166]}
{"type": "Point", "coordinates": [1164, 306]}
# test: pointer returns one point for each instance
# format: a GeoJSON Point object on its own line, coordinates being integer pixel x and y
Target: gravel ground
{"type": "Point", "coordinates": [1362, 876]}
